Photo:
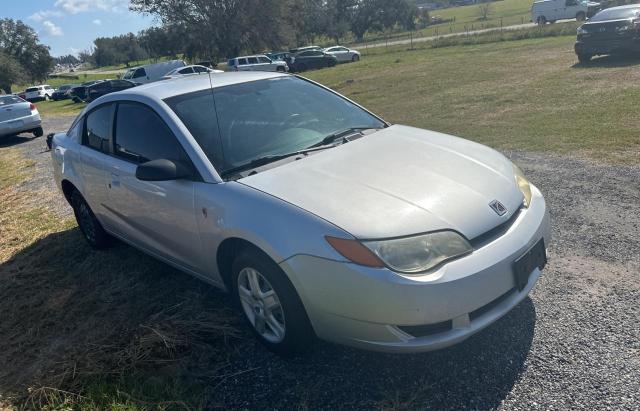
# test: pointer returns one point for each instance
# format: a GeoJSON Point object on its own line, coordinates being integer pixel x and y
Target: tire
{"type": "Point", "coordinates": [46, 97]}
{"type": "Point", "coordinates": [280, 69]}
{"type": "Point", "coordinates": [38, 132]}
{"type": "Point", "coordinates": [89, 224]}
{"type": "Point", "coordinates": [581, 16]}
{"type": "Point", "coordinates": [584, 58]}
{"type": "Point", "coordinates": [270, 304]}
{"type": "Point", "coordinates": [355, 58]}
{"type": "Point", "coordinates": [542, 20]}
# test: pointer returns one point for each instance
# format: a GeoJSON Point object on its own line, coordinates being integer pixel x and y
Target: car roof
{"type": "Point", "coordinates": [628, 6]}
{"type": "Point", "coordinates": [187, 84]}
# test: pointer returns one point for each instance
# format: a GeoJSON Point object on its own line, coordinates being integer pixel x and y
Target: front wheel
{"type": "Point", "coordinates": [584, 58]}
{"type": "Point", "coordinates": [88, 223]}
{"type": "Point", "coordinates": [270, 304]}
{"type": "Point", "coordinates": [542, 20]}
{"type": "Point", "coordinates": [355, 58]}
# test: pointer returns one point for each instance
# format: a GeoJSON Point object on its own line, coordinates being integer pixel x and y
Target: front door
{"type": "Point", "coordinates": [156, 215]}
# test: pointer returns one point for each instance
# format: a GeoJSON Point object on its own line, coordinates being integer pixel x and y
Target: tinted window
{"type": "Point", "coordinates": [4, 100]}
{"type": "Point", "coordinates": [616, 14]}
{"type": "Point", "coordinates": [264, 60]}
{"type": "Point", "coordinates": [200, 69]}
{"type": "Point", "coordinates": [269, 117]}
{"type": "Point", "coordinates": [120, 84]}
{"type": "Point", "coordinates": [197, 112]}
{"type": "Point", "coordinates": [140, 73]}
{"type": "Point", "coordinates": [31, 89]}
{"type": "Point", "coordinates": [242, 62]}
{"type": "Point", "coordinates": [142, 136]}
{"type": "Point", "coordinates": [187, 70]}
{"type": "Point", "coordinates": [98, 128]}
{"type": "Point", "coordinates": [253, 60]}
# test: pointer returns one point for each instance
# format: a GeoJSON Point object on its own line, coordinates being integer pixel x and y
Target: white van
{"type": "Point", "coordinates": [551, 10]}
{"type": "Point", "coordinates": [152, 72]}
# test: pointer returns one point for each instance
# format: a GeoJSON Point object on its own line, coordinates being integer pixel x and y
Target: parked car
{"type": "Point", "coordinates": [79, 93]}
{"type": "Point", "coordinates": [22, 95]}
{"type": "Point", "coordinates": [151, 72]}
{"type": "Point", "coordinates": [312, 59]}
{"type": "Point", "coordinates": [63, 92]}
{"type": "Point", "coordinates": [39, 93]}
{"type": "Point", "coordinates": [19, 116]}
{"type": "Point", "coordinates": [279, 55]}
{"type": "Point", "coordinates": [611, 31]}
{"type": "Point", "coordinates": [306, 48]}
{"type": "Point", "coordinates": [551, 10]}
{"type": "Point", "coordinates": [106, 87]}
{"type": "Point", "coordinates": [343, 54]}
{"type": "Point", "coordinates": [318, 216]}
{"type": "Point", "coordinates": [189, 70]}
{"type": "Point", "coordinates": [258, 62]}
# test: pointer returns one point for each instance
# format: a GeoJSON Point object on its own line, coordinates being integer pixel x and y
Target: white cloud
{"type": "Point", "coordinates": [97, 22]}
{"type": "Point", "coordinates": [80, 6]}
{"type": "Point", "coordinates": [44, 15]}
{"type": "Point", "coordinates": [51, 29]}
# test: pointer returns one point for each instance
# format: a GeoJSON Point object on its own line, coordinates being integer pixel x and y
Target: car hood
{"type": "Point", "coordinates": [399, 181]}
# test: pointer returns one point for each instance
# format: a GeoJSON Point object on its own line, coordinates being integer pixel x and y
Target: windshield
{"type": "Point", "coordinates": [63, 88]}
{"type": "Point", "coordinates": [30, 89]}
{"type": "Point", "coordinates": [616, 14]}
{"type": "Point", "coordinates": [6, 100]}
{"type": "Point", "coordinates": [266, 118]}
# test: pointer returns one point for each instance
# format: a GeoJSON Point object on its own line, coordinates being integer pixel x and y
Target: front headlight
{"type": "Point", "coordinates": [523, 184]}
{"type": "Point", "coordinates": [420, 253]}
{"type": "Point", "coordinates": [581, 30]}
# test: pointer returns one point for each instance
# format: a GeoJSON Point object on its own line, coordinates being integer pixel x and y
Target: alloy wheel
{"type": "Point", "coordinates": [261, 305]}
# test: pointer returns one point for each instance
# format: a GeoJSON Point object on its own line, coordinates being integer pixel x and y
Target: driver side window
{"type": "Point", "coordinates": [141, 136]}
{"type": "Point", "coordinates": [571, 3]}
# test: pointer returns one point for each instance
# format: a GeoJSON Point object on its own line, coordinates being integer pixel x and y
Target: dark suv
{"type": "Point", "coordinates": [610, 31]}
{"type": "Point", "coordinates": [106, 87]}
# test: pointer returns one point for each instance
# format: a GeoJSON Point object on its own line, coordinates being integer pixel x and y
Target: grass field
{"type": "Point", "coordinates": [528, 95]}
{"type": "Point", "coordinates": [505, 12]}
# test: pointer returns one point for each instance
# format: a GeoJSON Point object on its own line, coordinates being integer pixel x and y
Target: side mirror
{"type": "Point", "coordinates": [163, 170]}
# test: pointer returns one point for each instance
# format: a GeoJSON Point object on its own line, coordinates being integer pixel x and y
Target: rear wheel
{"type": "Point", "coordinates": [581, 16]}
{"type": "Point", "coordinates": [584, 58]}
{"type": "Point", "coordinates": [542, 20]}
{"type": "Point", "coordinates": [88, 223]}
{"type": "Point", "coordinates": [280, 69]}
{"type": "Point", "coordinates": [38, 132]}
{"type": "Point", "coordinates": [270, 304]}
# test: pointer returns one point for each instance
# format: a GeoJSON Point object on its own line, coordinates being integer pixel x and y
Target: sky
{"type": "Point", "coordinates": [70, 26]}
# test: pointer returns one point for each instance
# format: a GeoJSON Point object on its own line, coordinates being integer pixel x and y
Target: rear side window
{"type": "Point", "coordinates": [242, 62]}
{"type": "Point", "coordinates": [199, 69]}
{"type": "Point", "coordinates": [264, 60]}
{"type": "Point", "coordinates": [187, 70]}
{"type": "Point", "coordinates": [142, 136]}
{"type": "Point", "coordinates": [5, 100]}
{"type": "Point", "coordinates": [98, 128]}
{"type": "Point", "coordinates": [253, 60]}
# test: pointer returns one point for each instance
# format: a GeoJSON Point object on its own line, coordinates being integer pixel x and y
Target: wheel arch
{"type": "Point", "coordinates": [67, 189]}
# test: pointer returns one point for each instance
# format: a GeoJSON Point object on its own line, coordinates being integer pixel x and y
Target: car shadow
{"type": "Point", "coordinates": [11, 141]}
{"type": "Point", "coordinates": [69, 311]}
{"type": "Point", "coordinates": [610, 61]}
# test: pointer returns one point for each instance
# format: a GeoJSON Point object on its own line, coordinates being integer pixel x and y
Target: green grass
{"type": "Point", "coordinates": [528, 95]}
{"type": "Point", "coordinates": [507, 12]}
{"type": "Point", "coordinates": [59, 108]}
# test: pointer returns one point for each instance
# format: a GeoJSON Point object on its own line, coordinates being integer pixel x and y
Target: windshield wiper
{"type": "Point", "coordinates": [261, 161]}
{"type": "Point", "coordinates": [339, 134]}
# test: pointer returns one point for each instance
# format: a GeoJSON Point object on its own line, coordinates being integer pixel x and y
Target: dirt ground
{"type": "Point", "coordinates": [575, 343]}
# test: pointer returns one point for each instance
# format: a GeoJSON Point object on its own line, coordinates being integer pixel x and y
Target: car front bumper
{"type": "Point", "coordinates": [599, 47]}
{"type": "Point", "coordinates": [20, 125]}
{"type": "Point", "coordinates": [373, 308]}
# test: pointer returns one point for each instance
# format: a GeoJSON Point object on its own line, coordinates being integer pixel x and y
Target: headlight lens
{"type": "Point", "coordinates": [581, 30]}
{"type": "Point", "coordinates": [420, 253]}
{"type": "Point", "coordinates": [523, 184]}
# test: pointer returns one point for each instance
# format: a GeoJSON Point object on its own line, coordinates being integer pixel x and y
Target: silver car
{"type": "Point", "coordinates": [320, 218]}
{"type": "Point", "coordinates": [343, 54]}
{"type": "Point", "coordinates": [19, 116]}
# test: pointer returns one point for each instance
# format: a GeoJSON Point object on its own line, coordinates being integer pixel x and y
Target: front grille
{"type": "Point", "coordinates": [485, 238]}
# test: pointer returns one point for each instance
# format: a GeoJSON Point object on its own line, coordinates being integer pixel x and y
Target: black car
{"type": "Point", "coordinates": [79, 93]}
{"type": "Point", "coordinates": [311, 59]}
{"type": "Point", "coordinates": [610, 31]}
{"type": "Point", "coordinates": [63, 92]}
{"type": "Point", "coordinates": [105, 87]}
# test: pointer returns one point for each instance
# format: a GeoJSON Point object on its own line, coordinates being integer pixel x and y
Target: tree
{"type": "Point", "coordinates": [10, 72]}
{"type": "Point", "coordinates": [484, 10]}
{"type": "Point", "coordinates": [20, 43]}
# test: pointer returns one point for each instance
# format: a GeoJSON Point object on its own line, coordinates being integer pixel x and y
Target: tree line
{"type": "Point", "coordinates": [212, 30]}
{"type": "Point", "coordinates": [22, 56]}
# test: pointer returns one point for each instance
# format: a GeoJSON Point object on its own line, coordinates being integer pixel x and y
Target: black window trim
{"type": "Point", "coordinates": [197, 177]}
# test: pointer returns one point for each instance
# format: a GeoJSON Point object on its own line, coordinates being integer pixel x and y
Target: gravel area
{"type": "Point", "coordinates": [575, 343]}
